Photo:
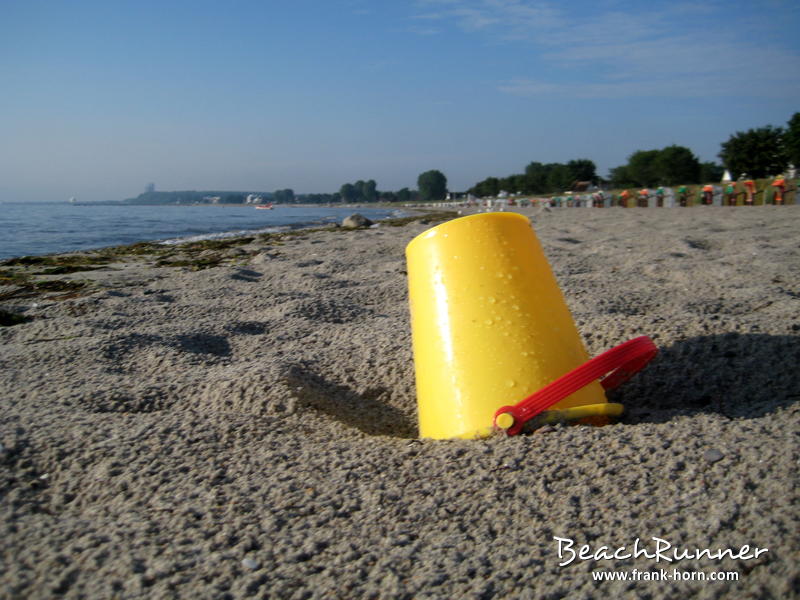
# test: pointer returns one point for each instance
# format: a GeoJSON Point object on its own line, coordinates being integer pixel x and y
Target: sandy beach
{"type": "Point", "coordinates": [249, 429]}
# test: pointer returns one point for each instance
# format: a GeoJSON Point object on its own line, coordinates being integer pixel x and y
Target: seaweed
{"type": "Point", "coordinates": [137, 249]}
{"type": "Point", "coordinates": [223, 244]}
{"type": "Point", "coordinates": [9, 319]}
{"type": "Point", "coordinates": [65, 270]}
{"type": "Point", "coordinates": [8, 277]}
{"type": "Point", "coordinates": [195, 264]}
{"type": "Point", "coordinates": [62, 263]}
{"type": "Point", "coordinates": [58, 285]}
{"type": "Point", "coordinates": [29, 289]}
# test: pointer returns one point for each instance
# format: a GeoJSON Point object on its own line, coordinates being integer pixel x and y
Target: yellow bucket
{"type": "Point", "coordinates": [489, 324]}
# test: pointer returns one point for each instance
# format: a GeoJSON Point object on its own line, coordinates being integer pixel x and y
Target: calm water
{"type": "Point", "coordinates": [31, 229]}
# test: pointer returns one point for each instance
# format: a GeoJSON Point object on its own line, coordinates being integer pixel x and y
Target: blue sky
{"type": "Point", "coordinates": [97, 98]}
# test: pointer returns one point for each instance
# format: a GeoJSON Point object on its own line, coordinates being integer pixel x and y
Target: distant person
{"type": "Point", "coordinates": [644, 197]}
{"type": "Point", "coordinates": [708, 194]}
{"type": "Point", "coordinates": [683, 195]}
{"type": "Point", "coordinates": [730, 193]}
{"type": "Point", "coordinates": [660, 196]}
{"type": "Point", "coordinates": [599, 200]}
{"type": "Point", "coordinates": [780, 188]}
{"type": "Point", "coordinates": [623, 198]}
{"type": "Point", "coordinates": [749, 192]}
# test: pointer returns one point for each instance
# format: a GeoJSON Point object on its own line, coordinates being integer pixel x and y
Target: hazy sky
{"type": "Point", "coordinates": [97, 98]}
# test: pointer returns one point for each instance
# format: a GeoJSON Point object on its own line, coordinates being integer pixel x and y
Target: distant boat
{"type": "Point", "coordinates": [73, 200]}
{"type": "Point", "coordinates": [265, 206]}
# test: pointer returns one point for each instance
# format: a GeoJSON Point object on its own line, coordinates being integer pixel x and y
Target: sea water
{"type": "Point", "coordinates": [45, 228]}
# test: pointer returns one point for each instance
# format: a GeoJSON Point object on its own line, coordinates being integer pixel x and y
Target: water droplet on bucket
{"type": "Point", "coordinates": [491, 299]}
{"type": "Point", "coordinates": [511, 383]}
{"type": "Point", "coordinates": [488, 321]}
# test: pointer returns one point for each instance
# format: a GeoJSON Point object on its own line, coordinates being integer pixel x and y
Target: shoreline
{"type": "Point", "coordinates": [302, 222]}
{"type": "Point", "coordinates": [66, 275]}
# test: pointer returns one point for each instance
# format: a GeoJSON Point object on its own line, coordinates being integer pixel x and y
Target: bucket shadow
{"type": "Point", "coordinates": [735, 375]}
{"type": "Point", "coordinates": [365, 412]}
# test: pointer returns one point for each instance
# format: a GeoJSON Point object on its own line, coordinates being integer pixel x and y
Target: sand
{"type": "Point", "coordinates": [249, 430]}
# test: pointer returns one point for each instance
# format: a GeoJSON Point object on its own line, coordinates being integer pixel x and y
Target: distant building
{"type": "Point", "coordinates": [150, 188]}
{"type": "Point", "coordinates": [580, 186]}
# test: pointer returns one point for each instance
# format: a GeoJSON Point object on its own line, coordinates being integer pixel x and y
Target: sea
{"type": "Point", "coordinates": [31, 229]}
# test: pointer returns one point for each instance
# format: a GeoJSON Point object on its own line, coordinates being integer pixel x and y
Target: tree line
{"type": "Point", "coordinates": [669, 166]}
{"type": "Point", "coordinates": [763, 151]}
{"type": "Point", "coordinates": [758, 152]}
{"type": "Point", "coordinates": [539, 178]}
{"type": "Point", "coordinates": [432, 185]}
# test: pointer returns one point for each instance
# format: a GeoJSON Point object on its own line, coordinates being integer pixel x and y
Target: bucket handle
{"type": "Point", "coordinates": [617, 364]}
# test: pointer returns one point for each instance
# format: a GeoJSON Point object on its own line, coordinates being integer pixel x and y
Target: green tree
{"type": "Point", "coordinates": [432, 185]}
{"type": "Point", "coordinates": [792, 139]}
{"type": "Point", "coordinates": [511, 184]}
{"type": "Point", "coordinates": [348, 192]}
{"type": "Point", "coordinates": [669, 166]}
{"type": "Point", "coordinates": [758, 152]}
{"type": "Point", "coordinates": [404, 195]}
{"type": "Point", "coordinates": [488, 187]}
{"type": "Point", "coordinates": [536, 178]}
{"type": "Point", "coordinates": [643, 168]}
{"type": "Point", "coordinates": [676, 164]}
{"type": "Point", "coordinates": [282, 196]}
{"type": "Point", "coordinates": [582, 169]}
{"type": "Point", "coordinates": [369, 192]}
{"type": "Point", "coordinates": [710, 171]}
{"type": "Point", "coordinates": [620, 177]}
{"type": "Point", "coordinates": [359, 189]}
{"type": "Point", "coordinates": [559, 177]}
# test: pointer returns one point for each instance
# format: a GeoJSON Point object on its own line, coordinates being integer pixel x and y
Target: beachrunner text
{"type": "Point", "coordinates": [662, 551]}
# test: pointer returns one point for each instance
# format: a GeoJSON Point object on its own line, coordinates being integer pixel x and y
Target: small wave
{"type": "Point", "coordinates": [224, 235]}
{"type": "Point", "coordinates": [326, 220]}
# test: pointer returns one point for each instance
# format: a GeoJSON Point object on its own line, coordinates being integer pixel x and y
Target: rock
{"type": "Point", "coordinates": [355, 221]}
{"type": "Point", "coordinates": [261, 258]}
{"type": "Point", "coordinates": [249, 563]}
{"type": "Point", "coordinates": [713, 455]}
